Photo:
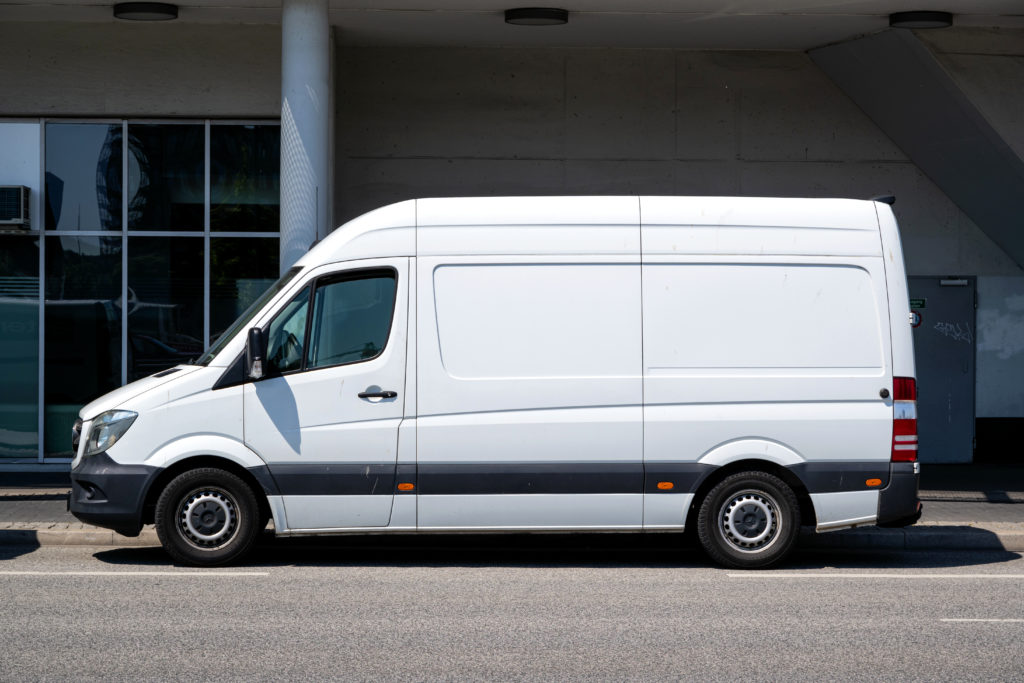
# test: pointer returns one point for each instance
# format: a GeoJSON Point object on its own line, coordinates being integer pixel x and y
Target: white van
{"type": "Point", "coordinates": [741, 365]}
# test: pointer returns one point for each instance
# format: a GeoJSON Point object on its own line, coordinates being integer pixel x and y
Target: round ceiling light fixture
{"type": "Point", "coordinates": [921, 20]}
{"type": "Point", "coordinates": [145, 11]}
{"type": "Point", "coordinates": [536, 16]}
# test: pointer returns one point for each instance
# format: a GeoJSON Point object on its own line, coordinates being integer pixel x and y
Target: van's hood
{"type": "Point", "coordinates": [129, 391]}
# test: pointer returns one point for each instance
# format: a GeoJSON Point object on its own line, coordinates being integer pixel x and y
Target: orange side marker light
{"type": "Point", "coordinates": [405, 486]}
{"type": "Point", "coordinates": [666, 485]}
{"type": "Point", "coordinates": [874, 482]}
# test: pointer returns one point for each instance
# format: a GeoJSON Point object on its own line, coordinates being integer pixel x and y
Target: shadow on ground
{"type": "Point", "coordinates": [925, 537]}
{"type": "Point", "coordinates": [536, 550]}
{"type": "Point", "coordinates": [18, 542]}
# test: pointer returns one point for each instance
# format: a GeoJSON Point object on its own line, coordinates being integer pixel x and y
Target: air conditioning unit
{"type": "Point", "coordinates": [14, 206]}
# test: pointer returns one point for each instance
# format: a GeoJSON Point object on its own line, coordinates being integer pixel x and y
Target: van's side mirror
{"type": "Point", "coordinates": [254, 353]}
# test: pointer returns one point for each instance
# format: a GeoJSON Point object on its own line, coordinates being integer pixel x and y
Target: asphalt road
{"type": "Point", "coordinates": [550, 608]}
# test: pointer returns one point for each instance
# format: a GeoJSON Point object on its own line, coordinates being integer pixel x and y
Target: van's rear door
{"type": "Point", "coordinates": [766, 339]}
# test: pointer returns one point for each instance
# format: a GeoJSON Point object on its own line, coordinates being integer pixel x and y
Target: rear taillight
{"type": "Point", "coordinates": [904, 419]}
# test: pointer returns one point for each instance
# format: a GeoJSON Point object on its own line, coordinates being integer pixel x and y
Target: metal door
{"type": "Point", "coordinates": [328, 427]}
{"type": "Point", "coordinates": [945, 336]}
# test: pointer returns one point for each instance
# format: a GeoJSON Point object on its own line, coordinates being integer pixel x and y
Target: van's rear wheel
{"type": "Point", "coordinates": [207, 517]}
{"type": "Point", "coordinates": [749, 520]}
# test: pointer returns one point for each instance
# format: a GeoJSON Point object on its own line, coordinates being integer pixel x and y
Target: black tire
{"type": "Point", "coordinates": [207, 517]}
{"type": "Point", "coordinates": [750, 520]}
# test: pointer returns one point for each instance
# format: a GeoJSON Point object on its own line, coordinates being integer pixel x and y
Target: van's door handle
{"type": "Point", "coordinates": [377, 394]}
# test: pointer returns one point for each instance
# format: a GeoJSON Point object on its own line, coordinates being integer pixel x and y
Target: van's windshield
{"type": "Point", "coordinates": [245, 318]}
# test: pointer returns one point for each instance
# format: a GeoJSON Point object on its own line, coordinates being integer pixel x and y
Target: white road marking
{"type": "Point", "coordinates": [837, 575]}
{"type": "Point", "coordinates": [999, 621]}
{"type": "Point", "coordinates": [183, 573]}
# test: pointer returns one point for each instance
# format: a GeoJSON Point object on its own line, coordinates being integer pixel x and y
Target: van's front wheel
{"type": "Point", "coordinates": [749, 520]}
{"type": "Point", "coordinates": [207, 517]}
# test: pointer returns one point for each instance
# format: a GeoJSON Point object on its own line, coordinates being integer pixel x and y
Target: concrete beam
{"type": "Point", "coordinates": [900, 85]}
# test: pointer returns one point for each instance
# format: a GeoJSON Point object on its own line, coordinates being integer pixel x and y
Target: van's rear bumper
{"type": "Point", "coordinates": [898, 503]}
{"type": "Point", "coordinates": [109, 494]}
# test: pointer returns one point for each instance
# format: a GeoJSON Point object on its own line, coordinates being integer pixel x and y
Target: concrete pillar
{"type": "Point", "coordinates": [305, 126]}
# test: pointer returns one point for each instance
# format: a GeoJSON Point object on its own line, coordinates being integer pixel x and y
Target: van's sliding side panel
{"type": "Point", "coordinates": [530, 397]}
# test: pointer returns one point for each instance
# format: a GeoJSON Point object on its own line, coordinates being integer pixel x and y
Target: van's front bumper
{"type": "Point", "coordinates": [109, 494]}
{"type": "Point", "coordinates": [898, 503]}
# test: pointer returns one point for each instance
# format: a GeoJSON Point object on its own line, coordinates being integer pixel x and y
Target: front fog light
{"type": "Point", "coordinates": [107, 429]}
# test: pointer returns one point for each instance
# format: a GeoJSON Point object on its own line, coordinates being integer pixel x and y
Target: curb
{"type": "Point", "coordinates": [1009, 537]}
{"type": "Point", "coordinates": [922, 537]}
{"type": "Point", "coordinates": [69, 534]}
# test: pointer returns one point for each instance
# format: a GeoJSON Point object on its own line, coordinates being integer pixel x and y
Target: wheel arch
{"type": "Point", "coordinates": [712, 479]}
{"type": "Point", "coordinates": [166, 475]}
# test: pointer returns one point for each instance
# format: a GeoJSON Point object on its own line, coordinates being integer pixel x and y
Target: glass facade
{"type": "Point", "coordinates": [19, 346]}
{"type": "Point", "coordinates": [241, 268]}
{"type": "Point", "coordinates": [83, 330]}
{"type": "Point", "coordinates": [166, 184]}
{"type": "Point", "coordinates": [83, 176]}
{"type": "Point", "coordinates": [165, 303]}
{"type": "Point", "coordinates": [150, 251]}
{"type": "Point", "coordinates": [244, 173]}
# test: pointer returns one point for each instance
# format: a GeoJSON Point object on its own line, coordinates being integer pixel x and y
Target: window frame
{"type": "Point", "coordinates": [305, 291]}
{"type": "Point", "coordinates": [313, 286]}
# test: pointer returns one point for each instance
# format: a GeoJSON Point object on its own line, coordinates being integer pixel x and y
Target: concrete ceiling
{"type": "Point", "coordinates": [693, 24]}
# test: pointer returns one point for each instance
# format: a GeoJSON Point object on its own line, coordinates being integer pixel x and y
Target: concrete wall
{"type": "Point", "coordinates": [988, 66]}
{"type": "Point", "coordinates": [1000, 360]}
{"type": "Point", "coordinates": [140, 69]}
{"type": "Point", "coordinates": [430, 121]}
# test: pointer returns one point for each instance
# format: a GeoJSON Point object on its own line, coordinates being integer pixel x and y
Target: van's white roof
{"type": "Point", "coordinates": [605, 225]}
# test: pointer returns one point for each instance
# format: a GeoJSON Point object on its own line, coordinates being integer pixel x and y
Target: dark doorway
{"type": "Point", "coordinates": [945, 336]}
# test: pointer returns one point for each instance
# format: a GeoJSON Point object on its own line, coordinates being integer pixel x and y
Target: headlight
{"type": "Point", "coordinates": [107, 429]}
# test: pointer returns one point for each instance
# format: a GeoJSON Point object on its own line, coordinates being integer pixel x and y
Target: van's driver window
{"type": "Point", "coordinates": [351, 320]}
{"type": "Point", "coordinates": [287, 333]}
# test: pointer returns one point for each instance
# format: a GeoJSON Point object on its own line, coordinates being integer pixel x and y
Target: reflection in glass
{"type": "Point", "coordinates": [245, 166]}
{"type": "Point", "coordinates": [165, 303]}
{"type": "Point", "coordinates": [83, 176]}
{"type": "Point", "coordinates": [83, 330]}
{"type": "Point", "coordinates": [165, 177]}
{"type": "Point", "coordinates": [286, 335]}
{"type": "Point", "coordinates": [19, 346]}
{"type": "Point", "coordinates": [351, 321]}
{"type": "Point", "coordinates": [240, 270]}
